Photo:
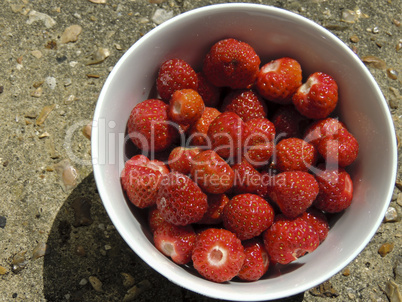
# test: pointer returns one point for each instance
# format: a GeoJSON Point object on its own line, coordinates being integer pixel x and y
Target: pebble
{"type": "Point", "coordinates": [136, 290]}
{"type": "Point", "coordinates": [96, 283]}
{"type": "Point", "coordinates": [385, 249]}
{"type": "Point", "coordinates": [3, 270]}
{"type": "Point", "coordinates": [391, 215]}
{"type": "Point", "coordinates": [44, 114]}
{"type": "Point", "coordinates": [393, 292]}
{"type": "Point", "coordinates": [3, 220]}
{"type": "Point", "coordinates": [346, 272]}
{"type": "Point", "coordinates": [70, 99]}
{"type": "Point", "coordinates": [51, 82]}
{"type": "Point", "coordinates": [324, 290]}
{"type": "Point", "coordinates": [374, 61]}
{"type": "Point", "coordinates": [35, 16]}
{"type": "Point", "coordinates": [100, 55]}
{"type": "Point", "coordinates": [128, 280]}
{"type": "Point", "coordinates": [19, 263]}
{"type": "Point", "coordinates": [37, 54]}
{"type": "Point", "coordinates": [83, 282]}
{"type": "Point", "coordinates": [71, 34]}
{"type": "Point", "coordinates": [37, 93]}
{"type": "Point", "coordinates": [392, 73]}
{"type": "Point", "coordinates": [80, 251]}
{"type": "Point", "coordinates": [161, 15]}
{"type": "Point", "coordinates": [98, 1]}
{"type": "Point", "coordinates": [86, 130]}
{"type": "Point", "coordinates": [40, 250]}
{"type": "Point", "coordinates": [82, 211]}
{"type": "Point", "coordinates": [68, 174]}
{"type": "Point", "coordinates": [354, 39]}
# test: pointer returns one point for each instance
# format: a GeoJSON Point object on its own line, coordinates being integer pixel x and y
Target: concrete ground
{"type": "Point", "coordinates": [50, 249]}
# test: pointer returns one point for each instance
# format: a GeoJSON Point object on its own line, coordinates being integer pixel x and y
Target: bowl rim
{"type": "Point", "coordinates": [201, 287]}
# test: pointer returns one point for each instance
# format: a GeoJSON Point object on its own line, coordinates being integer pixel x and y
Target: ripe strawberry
{"type": "Point", "coordinates": [209, 93]}
{"type": "Point", "coordinates": [212, 173]}
{"type": "Point", "coordinates": [259, 143]}
{"type": "Point", "coordinates": [318, 221]}
{"type": "Point", "coordinates": [267, 183]}
{"type": "Point", "coordinates": [140, 179]}
{"type": "Point", "coordinates": [216, 204]}
{"type": "Point", "coordinates": [185, 106]}
{"type": "Point", "coordinates": [318, 97]}
{"type": "Point", "coordinates": [247, 179]}
{"type": "Point", "coordinates": [289, 238]}
{"type": "Point", "coordinates": [295, 154]}
{"type": "Point", "coordinates": [181, 159]}
{"type": "Point", "coordinates": [141, 185]}
{"type": "Point", "coordinates": [218, 255]}
{"type": "Point", "coordinates": [198, 131]}
{"type": "Point", "coordinates": [149, 127]}
{"type": "Point", "coordinates": [322, 128]}
{"type": "Point", "coordinates": [336, 190]}
{"type": "Point", "coordinates": [155, 219]}
{"type": "Point", "coordinates": [256, 262]}
{"type": "Point", "coordinates": [179, 199]}
{"type": "Point", "coordinates": [288, 122]}
{"type": "Point", "coordinates": [176, 242]}
{"type": "Point", "coordinates": [294, 192]}
{"type": "Point", "coordinates": [246, 103]}
{"type": "Point", "coordinates": [175, 74]}
{"type": "Point", "coordinates": [339, 149]}
{"type": "Point", "coordinates": [279, 79]}
{"type": "Point", "coordinates": [231, 63]}
{"type": "Point", "coordinates": [247, 215]}
{"type": "Point", "coordinates": [227, 133]}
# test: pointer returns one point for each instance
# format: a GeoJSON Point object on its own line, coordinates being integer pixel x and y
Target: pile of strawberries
{"type": "Point", "coordinates": [255, 163]}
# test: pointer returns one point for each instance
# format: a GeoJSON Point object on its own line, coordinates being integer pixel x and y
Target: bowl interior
{"type": "Point", "coordinates": [273, 33]}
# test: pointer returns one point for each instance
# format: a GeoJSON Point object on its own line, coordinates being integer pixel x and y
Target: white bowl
{"type": "Point", "coordinates": [273, 33]}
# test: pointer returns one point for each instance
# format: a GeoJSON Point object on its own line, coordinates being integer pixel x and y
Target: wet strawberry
{"type": "Point", "coordinates": [318, 221]}
{"type": "Point", "coordinates": [209, 93]}
{"type": "Point", "coordinates": [294, 192]}
{"type": "Point", "coordinates": [155, 219]}
{"type": "Point", "coordinates": [181, 159]}
{"type": "Point", "coordinates": [175, 74]}
{"type": "Point", "coordinates": [180, 200]}
{"type": "Point", "coordinates": [218, 255]}
{"type": "Point", "coordinates": [231, 63]}
{"type": "Point", "coordinates": [318, 97]}
{"type": "Point", "coordinates": [185, 106]}
{"type": "Point", "coordinates": [246, 103]}
{"type": "Point", "coordinates": [322, 128]}
{"type": "Point", "coordinates": [336, 190]}
{"type": "Point", "coordinates": [198, 131]}
{"type": "Point", "coordinates": [212, 173]}
{"type": "Point", "coordinates": [216, 204]}
{"type": "Point", "coordinates": [227, 133]}
{"type": "Point", "coordinates": [288, 122]}
{"type": "Point", "coordinates": [289, 238]}
{"type": "Point", "coordinates": [247, 215]}
{"type": "Point", "coordinates": [176, 242]}
{"type": "Point", "coordinates": [256, 260]}
{"type": "Point", "coordinates": [294, 154]}
{"type": "Point", "coordinates": [279, 79]}
{"type": "Point", "coordinates": [149, 127]}
{"type": "Point", "coordinates": [246, 179]}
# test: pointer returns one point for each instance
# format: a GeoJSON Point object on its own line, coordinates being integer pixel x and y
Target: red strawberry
{"type": "Point", "coordinates": [247, 215]}
{"type": "Point", "coordinates": [318, 97]}
{"type": "Point", "coordinates": [227, 133]}
{"type": "Point", "coordinates": [319, 222]}
{"type": "Point", "coordinates": [259, 143]}
{"type": "Point", "coordinates": [267, 183]}
{"type": "Point", "coordinates": [198, 131]}
{"type": "Point", "coordinates": [339, 149]}
{"type": "Point", "coordinates": [155, 219]}
{"type": "Point", "coordinates": [149, 127]}
{"type": "Point", "coordinates": [185, 106]}
{"type": "Point", "coordinates": [212, 173]}
{"type": "Point", "coordinates": [209, 93]}
{"type": "Point", "coordinates": [336, 190]}
{"type": "Point", "coordinates": [288, 122]}
{"type": "Point", "coordinates": [180, 200]}
{"type": "Point", "coordinates": [256, 261]}
{"type": "Point", "coordinates": [247, 179]}
{"type": "Point", "coordinates": [279, 79]}
{"type": "Point", "coordinates": [322, 128]}
{"type": "Point", "coordinates": [181, 159]}
{"type": "Point", "coordinates": [176, 242]}
{"type": "Point", "coordinates": [141, 185]}
{"type": "Point", "coordinates": [218, 255]}
{"type": "Point", "coordinates": [288, 239]}
{"type": "Point", "coordinates": [175, 74]}
{"type": "Point", "coordinates": [295, 154]}
{"type": "Point", "coordinates": [216, 204]}
{"type": "Point", "coordinates": [246, 103]}
{"type": "Point", "coordinates": [231, 63]}
{"type": "Point", "coordinates": [294, 192]}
